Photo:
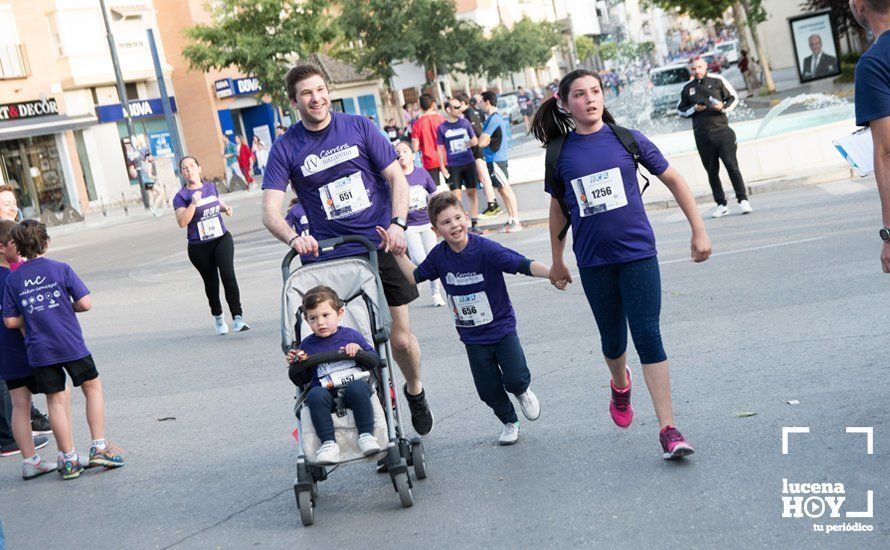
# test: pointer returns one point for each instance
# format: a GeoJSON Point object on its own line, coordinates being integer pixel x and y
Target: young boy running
{"type": "Point", "coordinates": [471, 269]}
{"type": "Point", "coordinates": [455, 139]}
{"type": "Point", "coordinates": [42, 296]}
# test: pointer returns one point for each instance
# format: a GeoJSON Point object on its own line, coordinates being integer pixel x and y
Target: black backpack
{"type": "Point", "coordinates": [558, 187]}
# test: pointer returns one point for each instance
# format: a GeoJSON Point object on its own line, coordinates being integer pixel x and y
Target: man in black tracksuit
{"type": "Point", "coordinates": [707, 99]}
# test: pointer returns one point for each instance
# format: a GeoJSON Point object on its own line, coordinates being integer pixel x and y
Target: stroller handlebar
{"type": "Point", "coordinates": [329, 244]}
{"type": "Point", "coordinates": [365, 359]}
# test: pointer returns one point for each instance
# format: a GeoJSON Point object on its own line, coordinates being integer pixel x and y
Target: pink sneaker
{"type": "Point", "coordinates": [619, 407]}
{"type": "Point", "coordinates": [674, 444]}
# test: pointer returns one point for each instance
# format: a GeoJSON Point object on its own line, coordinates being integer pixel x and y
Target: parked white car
{"type": "Point", "coordinates": [666, 83]}
{"type": "Point", "coordinates": [730, 50]}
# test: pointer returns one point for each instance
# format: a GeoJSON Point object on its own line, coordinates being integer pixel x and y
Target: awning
{"type": "Point", "coordinates": [42, 126]}
{"type": "Point", "coordinates": [131, 10]}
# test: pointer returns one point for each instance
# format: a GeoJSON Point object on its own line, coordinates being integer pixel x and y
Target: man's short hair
{"type": "Point", "coordinates": [878, 6]}
{"type": "Point", "coordinates": [490, 97]}
{"type": "Point", "coordinates": [4, 188]}
{"type": "Point", "coordinates": [299, 73]}
{"type": "Point", "coordinates": [441, 201]}
{"type": "Point", "coordinates": [426, 102]}
{"type": "Point", "coordinates": [462, 97]}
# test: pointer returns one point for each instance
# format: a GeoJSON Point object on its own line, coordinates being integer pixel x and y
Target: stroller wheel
{"type": "Point", "coordinates": [306, 505]}
{"type": "Point", "coordinates": [418, 459]}
{"type": "Point", "coordinates": [404, 488]}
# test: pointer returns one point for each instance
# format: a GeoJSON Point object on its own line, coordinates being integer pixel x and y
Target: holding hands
{"type": "Point", "coordinates": [393, 239]}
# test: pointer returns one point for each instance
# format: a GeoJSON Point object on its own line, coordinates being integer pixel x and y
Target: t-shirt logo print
{"type": "Point", "coordinates": [35, 281]}
{"type": "Point", "coordinates": [314, 164]}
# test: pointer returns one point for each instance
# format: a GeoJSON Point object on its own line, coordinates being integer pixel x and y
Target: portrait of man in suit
{"type": "Point", "coordinates": [818, 64]}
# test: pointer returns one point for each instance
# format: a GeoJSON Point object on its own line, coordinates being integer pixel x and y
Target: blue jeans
{"type": "Point", "coordinates": [622, 294]}
{"type": "Point", "coordinates": [356, 396]}
{"type": "Point", "coordinates": [497, 369]}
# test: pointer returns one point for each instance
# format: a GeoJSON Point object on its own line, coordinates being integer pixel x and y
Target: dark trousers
{"type": "Point", "coordinates": [356, 396]}
{"type": "Point", "coordinates": [627, 293]}
{"type": "Point", "coordinates": [497, 369]}
{"type": "Point", "coordinates": [714, 148]}
{"type": "Point", "coordinates": [5, 416]}
{"type": "Point", "coordinates": [215, 260]}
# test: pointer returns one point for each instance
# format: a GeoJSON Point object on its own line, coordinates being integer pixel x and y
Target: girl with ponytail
{"type": "Point", "coordinates": [592, 182]}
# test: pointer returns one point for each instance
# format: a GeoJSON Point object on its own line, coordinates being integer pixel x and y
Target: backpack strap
{"type": "Point", "coordinates": [554, 182]}
{"type": "Point", "coordinates": [630, 145]}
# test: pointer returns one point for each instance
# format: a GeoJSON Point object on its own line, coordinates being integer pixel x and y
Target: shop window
{"type": "Point", "coordinates": [132, 92]}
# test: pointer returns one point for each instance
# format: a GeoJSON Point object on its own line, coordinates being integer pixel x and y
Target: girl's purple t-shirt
{"type": "Point", "coordinates": [207, 224]}
{"type": "Point", "coordinates": [613, 227]}
{"type": "Point", "coordinates": [312, 345]}
{"type": "Point", "coordinates": [43, 291]}
{"type": "Point", "coordinates": [420, 187]}
{"type": "Point", "coordinates": [336, 172]}
{"type": "Point", "coordinates": [455, 138]}
{"type": "Point", "coordinates": [13, 354]}
{"type": "Point", "coordinates": [474, 281]}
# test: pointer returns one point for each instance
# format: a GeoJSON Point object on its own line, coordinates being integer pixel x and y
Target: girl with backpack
{"type": "Point", "coordinates": [591, 177]}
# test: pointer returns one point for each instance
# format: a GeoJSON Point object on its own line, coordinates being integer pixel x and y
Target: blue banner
{"type": "Point", "coordinates": [139, 108]}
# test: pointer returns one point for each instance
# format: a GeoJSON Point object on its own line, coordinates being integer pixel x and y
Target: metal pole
{"type": "Point", "coordinates": [122, 93]}
{"type": "Point", "coordinates": [165, 101]}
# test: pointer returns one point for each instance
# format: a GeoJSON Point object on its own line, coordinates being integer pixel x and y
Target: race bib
{"type": "Point", "coordinates": [458, 145]}
{"type": "Point", "coordinates": [341, 378]}
{"type": "Point", "coordinates": [418, 198]}
{"type": "Point", "coordinates": [471, 310]}
{"type": "Point", "coordinates": [600, 192]}
{"type": "Point", "coordinates": [211, 228]}
{"type": "Point", "coordinates": [345, 197]}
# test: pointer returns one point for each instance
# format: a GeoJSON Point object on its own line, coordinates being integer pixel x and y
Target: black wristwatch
{"type": "Point", "coordinates": [885, 234]}
{"type": "Point", "coordinates": [400, 222]}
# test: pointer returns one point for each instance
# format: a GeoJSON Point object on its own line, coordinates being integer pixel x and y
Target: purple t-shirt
{"type": "Point", "coordinates": [207, 223]}
{"type": "Point", "coordinates": [312, 345]}
{"type": "Point", "coordinates": [420, 187]}
{"type": "Point", "coordinates": [474, 281]}
{"type": "Point", "coordinates": [336, 172]}
{"type": "Point", "coordinates": [13, 356]}
{"type": "Point", "coordinates": [612, 226]}
{"type": "Point", "coordinates": [296, 218]}
{"type": "Point", "coordinates": [455, 138]}
{"type": "Point", "coordinates": [43, 291]}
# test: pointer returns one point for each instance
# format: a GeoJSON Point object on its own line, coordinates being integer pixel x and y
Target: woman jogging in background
{"type": "Point", "coordinates": [211, 247]}
{"type": "Point", "coordinates": [593, 185]}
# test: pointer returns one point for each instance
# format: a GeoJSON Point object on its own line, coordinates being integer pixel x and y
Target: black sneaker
{"type": "Point", "coordinates": [421, 416]}
{"type": "Point", "coordinates": [39, 423]}
{"type": "Point", "coordinates": [12, 448]}
{"type": "Point", "coordinates": [492, 210]}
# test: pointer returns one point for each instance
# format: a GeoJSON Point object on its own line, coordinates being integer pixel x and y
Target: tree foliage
{"type": "Point", "coordinates": [260, 38]}
{"type": "Point", "coordinates": [380, 32]}
{"type": "Point", "coordinates": [586, 47]}
{"type": "Point", "coordinates": [839, 8]}
{"type": "Point", "coordinates": [625, 52]}
{"type": "Point", "coordinates": [527, 44]}
{"type": "Point", "coordinates": [712, 10]}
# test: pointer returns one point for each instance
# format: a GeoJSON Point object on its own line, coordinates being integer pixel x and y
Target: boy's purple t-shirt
{"type": "Point", "coordinates": [13, 355]}
{"type": "Point", "coordinates": [474, 281]}
{"type": "Point", "coordinates": [43, 291]}
{"type": "Point", "coordinates": [615, 229]}
{"type": "Point", "coordinates": [207, 224]}
{"type": "Point", "coordinates": [455, 138]}
{"type": "Point", "coordinates": [336, 172]}
{"type": "Point", "coordinates": [312, 345]}
{"type": "Point", "coordinates": [420, 187]}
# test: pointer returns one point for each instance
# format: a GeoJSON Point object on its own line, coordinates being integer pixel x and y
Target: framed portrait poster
{"type": "Point", "coordinates": [815, 43]}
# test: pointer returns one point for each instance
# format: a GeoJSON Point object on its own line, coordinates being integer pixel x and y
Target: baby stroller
{"type": "Point", "coordinates": [356, 280]}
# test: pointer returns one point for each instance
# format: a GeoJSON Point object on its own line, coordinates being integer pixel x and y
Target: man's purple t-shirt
{"type": "Point", "coordinates": [474, 281]}
{"type": "Point", "coordinates": [336, 172]}
{"type": "Point", "coordinates": [296, 218]}
{"type": "Point", "coordinates": [207, 224]}
{"type": "Point", "coordinates": [312, 345]}
{"type": "Point", "coordinates": [455, 138]}
{"type": "Point", "coordinates": [13, 355]}
{"type": "Point", "coordinates": [420, 187]}
{"type": "Point", "coordinates": [43, 291]}
{"type": "Point", "coordinates": [612, 228]}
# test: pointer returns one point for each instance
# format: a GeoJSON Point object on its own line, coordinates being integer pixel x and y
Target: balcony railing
{"type": "Point", "coordinates": [14, 61]}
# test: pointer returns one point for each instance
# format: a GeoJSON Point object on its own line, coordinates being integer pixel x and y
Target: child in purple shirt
{"type": "Point", "coordinates": [42, 296]}
{"type": "Point", "coordinates": [323, 310]}
{"type": "Point", "coordinates": [472, 269]}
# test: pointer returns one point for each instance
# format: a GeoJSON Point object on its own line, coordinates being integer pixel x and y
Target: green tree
{"type": "Point", "coordinates": [586, 47]}
{"type": "Point", "coordinates": [380, 32]}
{"type": "Point", "coordinates": [527, 44]}
{"type": "Point", "coordinates": [260, 38]}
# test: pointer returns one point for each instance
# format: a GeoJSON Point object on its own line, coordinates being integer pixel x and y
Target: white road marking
{"type": "Point", "coordinates": [752, 249]}
{"type": "Point", "coordinates": [843, 188]}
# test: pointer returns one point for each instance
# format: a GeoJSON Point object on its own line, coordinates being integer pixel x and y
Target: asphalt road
{"type": "Point", "coordinates": [792, 306]}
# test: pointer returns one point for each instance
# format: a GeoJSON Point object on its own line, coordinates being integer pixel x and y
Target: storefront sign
{"type": "Point", "coordinates": [28, 109]}
{"type": "Point", "coordinates": [160, 144]}
{"type": "Point", "coordinates": [227, 87]}
{"type": "Point", "coordinates": [139, 108]}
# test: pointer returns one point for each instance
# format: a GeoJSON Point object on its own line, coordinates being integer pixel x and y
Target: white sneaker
{"type": "Point", "coordinates": [367, 443]}
{"type": "Point", "coordinates": [745, 206]}
{"type": "Point", "coordinates": [220, 323]}
{"type": "Point", "coordinates": [510, 434]}
{"type": "Point", "coordinates": [529, 404]}
{"type": "Point", "coordinates": [438, 301]}
{"type": "Point", "coordinates": [238, 324]}
{"type": "Point", "coordinates": [720, 211]}
{"type": "Point", "coordinates": [328, 453]}
{"type": "Point", "coordinates": [30, 471]}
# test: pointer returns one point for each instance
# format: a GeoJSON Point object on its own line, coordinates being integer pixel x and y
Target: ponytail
{"type": "Point", "coordinates": [552, 121]}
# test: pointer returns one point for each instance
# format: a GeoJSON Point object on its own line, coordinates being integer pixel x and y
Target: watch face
{"type": "Point", "coordinates": [884, 233]}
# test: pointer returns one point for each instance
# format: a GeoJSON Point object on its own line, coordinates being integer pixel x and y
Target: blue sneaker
{"type": "Point", "coordinates": [109, 457]}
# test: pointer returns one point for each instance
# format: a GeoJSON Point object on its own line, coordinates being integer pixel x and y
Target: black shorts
{"type": "Point", "coordinates": [51, 378]}
{"type": "Point", "coordinates": [20, 383]}
{"type": "Point", "coordinates": [434, 173]}
{"type": "Point", "coordinates": [498, 172]}
{"type": "Point", "coordinates": [477, 153]}
{"type": "Point", "coordinates": [396, 288]}
{"type": "Point", "coordinates": [463, 175]}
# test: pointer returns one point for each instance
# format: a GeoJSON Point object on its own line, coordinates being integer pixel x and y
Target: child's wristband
{"type": "Point", "coordinates": [290, 243]}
